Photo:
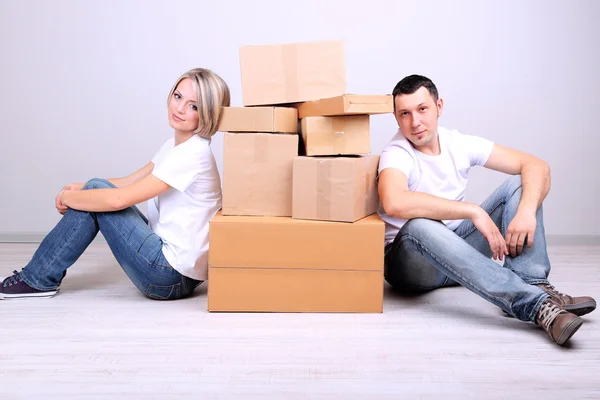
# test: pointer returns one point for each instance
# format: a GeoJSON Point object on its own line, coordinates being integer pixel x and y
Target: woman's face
{"type": "Point", "coordinates": [183, 111]}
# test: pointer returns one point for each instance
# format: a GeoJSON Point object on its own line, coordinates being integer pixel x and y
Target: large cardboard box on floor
{"type": "Point", "coordinates": [292, 73]}
{"type": "Point", "coordinates": [277, 264]}
{"type": "Point", "coordinates": [259, 119]}
{"type": "Point", "coordinates": [335, 188]}
{"type": "Point", "coordinates": [345, 135]}
{"type": "Point", "coordinates": [257, 173]}
{"type": "Point", "coordinates": [347, 104]}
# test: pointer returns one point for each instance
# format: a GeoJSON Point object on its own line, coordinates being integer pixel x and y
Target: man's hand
{"type": "Point", "coordinates": [520, 228]}
{"type": "Point", "coordinates": [490, 232]}
{"type": "Point", "coordinates": [62, 209]}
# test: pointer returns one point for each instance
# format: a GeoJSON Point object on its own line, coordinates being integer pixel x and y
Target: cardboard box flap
{"type": "Point", "coordinates": [295, 290]}
{"type": "Point", "coordinates": [279, 242]}
{"type": "Point", "coordinates": [290, 73]}
{"type": "Point", "coordinates": [335, 188]}
{"type": "Point", "coordinates": [343, 135]}
{"type": "Point", "coordinates": [347, 104]}
{"type": "Point", "coordinates": [259, 119]}
{"type": "Point", "coordinates": [257, 173]}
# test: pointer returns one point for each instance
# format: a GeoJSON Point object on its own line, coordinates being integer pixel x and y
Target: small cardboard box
{"type": "Point", "coordinates": [335, 188]}
{"type": "Point", "coordinates": [278, 264]}
{"type": "Point", "coordinates": [257, 173]}
{"type": "Point", "coordinates": [259, 119]}
{"type": "Point", "coordinates": [345, 135]}
{"type": "Point", "coordinates": [292, 73]}
{"type": "Point", "coordinates": [347, 104]}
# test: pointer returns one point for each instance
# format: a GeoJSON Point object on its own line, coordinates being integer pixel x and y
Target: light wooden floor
{"type": "Point", "coordinates": [100, 338]}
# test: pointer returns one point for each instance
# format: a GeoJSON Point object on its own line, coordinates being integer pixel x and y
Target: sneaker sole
{"type": "Point", "coordinates": [569, 331]}
{"type": "Point", "coordinates": [44, 295]}
{"type": "Point", "coordinates": [581, 308]}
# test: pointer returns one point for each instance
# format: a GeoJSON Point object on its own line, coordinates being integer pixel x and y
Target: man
{"type": "Point", "coordinates": [435, 239]}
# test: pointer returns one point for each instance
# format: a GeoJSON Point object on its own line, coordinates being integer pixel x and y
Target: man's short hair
{"type": "Point", "coordinates": [411, 84]}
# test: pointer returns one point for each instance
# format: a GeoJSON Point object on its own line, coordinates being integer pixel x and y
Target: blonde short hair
{"type": "Point", "coordinates": [212, 94]}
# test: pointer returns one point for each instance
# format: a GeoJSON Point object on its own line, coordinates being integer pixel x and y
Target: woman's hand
{"type": "Point", "coordinates": [60, 207]}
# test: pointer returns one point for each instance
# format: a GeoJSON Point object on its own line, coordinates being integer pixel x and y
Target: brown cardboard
{"type": "Point", "coordinates": [287, 243]}
{"type": "Point", "coordinates": [296, 290]}
{"type": "Point", "coordinates": [291, 73]}
{"type": "Point", "coordinates": [287, 265]}
{"type": "Point", "coordinates": [259, 119]}
{"type": "Point", "coordinates": [257, 173]}
{"type": "Point", "coordinates": [335, 188]}
{"type": "Point", "coordinates": [347, 104]}
{"type": "Point", "coordinates": [345, 135]}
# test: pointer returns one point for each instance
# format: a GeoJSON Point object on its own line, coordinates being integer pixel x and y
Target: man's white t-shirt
{"type": "Point", "coordinates": [180, 216]}
{"type": "Point", "coordinates": [444, 175]}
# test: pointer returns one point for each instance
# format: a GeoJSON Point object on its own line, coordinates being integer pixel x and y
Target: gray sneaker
{"type": "Point", "coordinates": [14, 287]}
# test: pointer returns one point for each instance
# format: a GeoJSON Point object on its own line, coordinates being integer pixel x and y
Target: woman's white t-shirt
{"type": "Point", "coordinates": [444, 175]}
{"type": "Point", "coordinates": [180, 216]}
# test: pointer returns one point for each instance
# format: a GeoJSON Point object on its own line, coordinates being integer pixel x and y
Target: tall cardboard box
{"type": "Point", "coordinates": [347, 104]}
{"type": "Point", "coordinates": [277, 264]}
{"type": "Point", "coordinates": [257, 173]}
{"type": "Point", "coordinates": [335, 188]}
{"type": "Point", "coordinates": [292, 73]}
{"type": "Point", "coordinates": [345, 135]}
{"type": "Point", "coordinates": [259, 119]}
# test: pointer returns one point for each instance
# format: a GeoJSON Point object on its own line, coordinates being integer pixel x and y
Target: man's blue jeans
{"type": "Point", "coordinates": [427, 255]}
{"type": "Point", "coordinates": [137, 249]}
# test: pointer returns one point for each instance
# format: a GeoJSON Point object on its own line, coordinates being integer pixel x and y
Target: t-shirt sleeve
{"type": "Point", "coordinates": [180, 167]}
{"type": "Point", "coordinates": [398, 158]}
{"type": "Point", "coordinates": [478, 149]}
{"type": "Point", "coordinates": [168, 144]}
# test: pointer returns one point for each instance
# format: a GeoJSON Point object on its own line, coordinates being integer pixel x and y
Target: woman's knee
{"type": "Point", "coordinates": [97, 183]}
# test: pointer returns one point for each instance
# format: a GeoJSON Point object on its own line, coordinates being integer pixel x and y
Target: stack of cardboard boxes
{"type": "Point", "coordinates": [298, 230]}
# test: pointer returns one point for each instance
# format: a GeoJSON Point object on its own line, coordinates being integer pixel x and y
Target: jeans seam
{"type": "Point", "coordinates": [494, 208]}
{"type": "Point", "coordinates": [536, 308]}
{"type": "Point", "coordinates": [64, 243]}
{"type": "Point", "coordinates": [176, 287]}
{"type": "Point", "coordinates": [472, 287]}
{"type": "Point", "coordinates": [124, 238]}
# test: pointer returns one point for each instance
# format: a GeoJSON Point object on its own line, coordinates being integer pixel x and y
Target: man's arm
{"type": "Point", "coordinates": [399, 202]}
{"type": "Point", "coordinates": [535, 174]}
{"type": "Point", "coordinates": [535, 185]}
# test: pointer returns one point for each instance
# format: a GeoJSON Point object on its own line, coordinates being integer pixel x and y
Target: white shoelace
{"type": "Point", "coordinates": [548, 313]}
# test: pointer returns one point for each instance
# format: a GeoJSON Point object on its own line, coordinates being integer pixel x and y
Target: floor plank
{"type": "Point", "coordinates": [100, 337]}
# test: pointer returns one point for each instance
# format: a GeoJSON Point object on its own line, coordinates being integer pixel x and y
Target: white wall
{"type": "Point", "coordinates": [83, 84]}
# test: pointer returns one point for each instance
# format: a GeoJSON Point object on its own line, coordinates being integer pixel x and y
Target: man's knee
{"type": "Point", "coordinates": [97, 183]}
{"type": "Point", "coordinates": [513, 184]}
{"type": "Point", "coordinates": [420, 227]}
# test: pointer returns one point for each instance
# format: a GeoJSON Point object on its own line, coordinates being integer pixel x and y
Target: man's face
{"type": "Point", "coordinates": [417, 115]}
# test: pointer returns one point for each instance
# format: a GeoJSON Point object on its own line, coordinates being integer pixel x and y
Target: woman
{"type": "Point", "coordinates": [166, 255]}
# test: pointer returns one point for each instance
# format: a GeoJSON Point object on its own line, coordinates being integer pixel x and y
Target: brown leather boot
{"type": "Point", "coordinates": [559, 324]}
{"type": "Point", "coordinates": [575, 305]}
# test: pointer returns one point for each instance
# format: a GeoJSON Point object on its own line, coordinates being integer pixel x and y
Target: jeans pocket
{"type": "Point", "coordinates": [169, 292]}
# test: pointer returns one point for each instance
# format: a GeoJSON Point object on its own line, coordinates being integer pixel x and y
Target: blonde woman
{"type": "Point", "coordinates": [165, 256]}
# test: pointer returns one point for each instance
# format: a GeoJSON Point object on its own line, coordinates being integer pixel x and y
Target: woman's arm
{"type": "Point", "coordinates": [114, 199]}
{"type": "Point", "coordinates": [134, 177]}
{"type": "Point", "coordinates": [118, 182]}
